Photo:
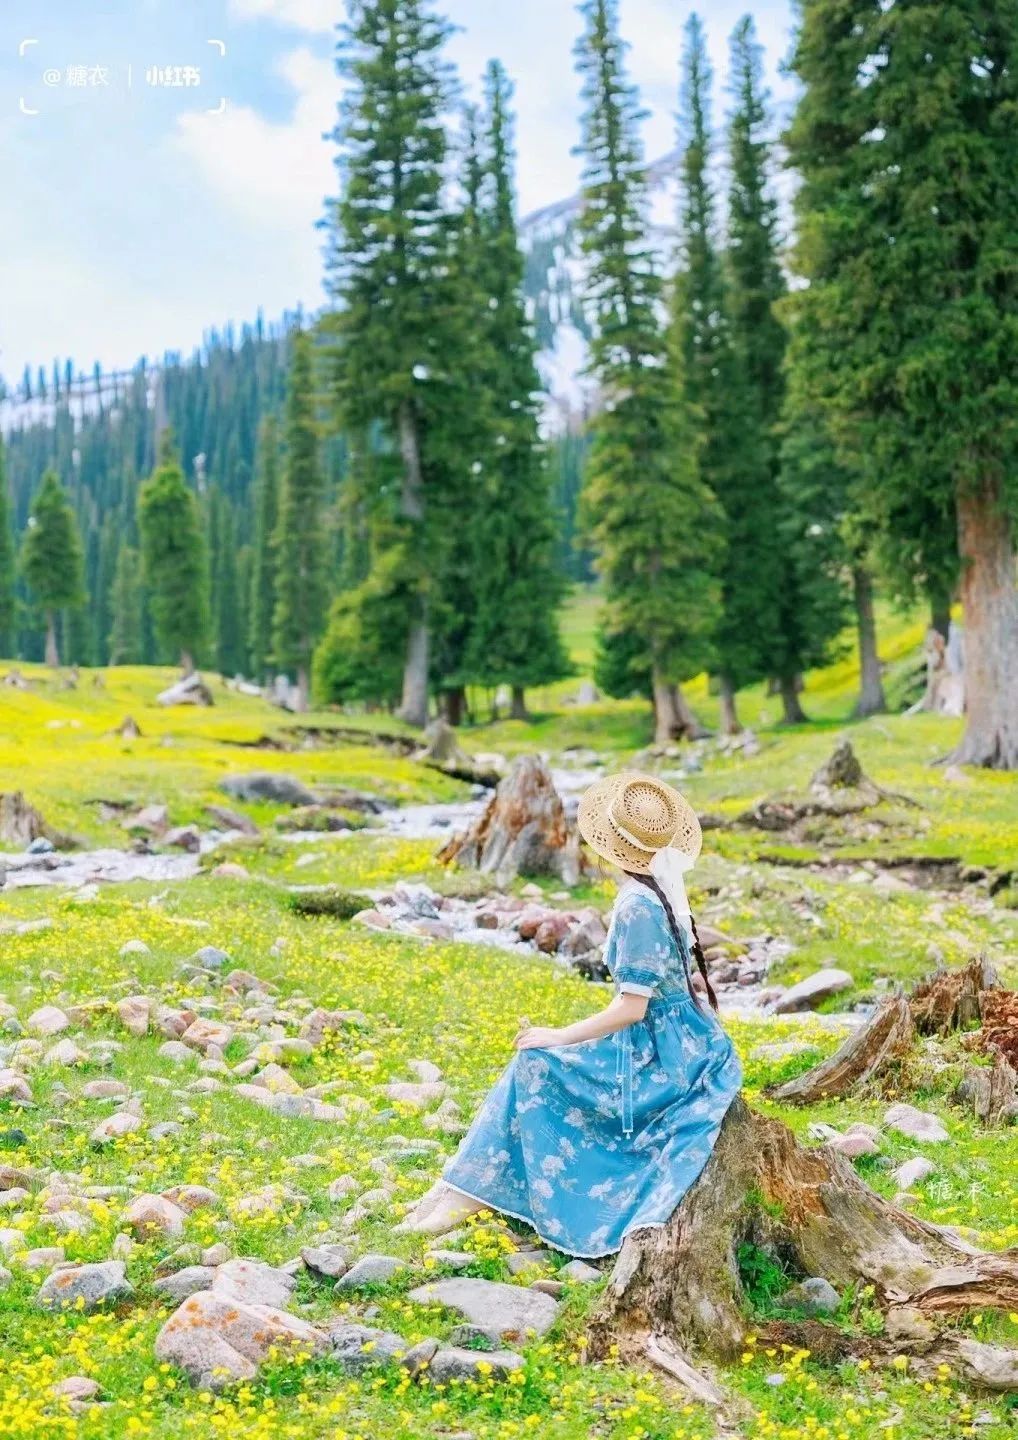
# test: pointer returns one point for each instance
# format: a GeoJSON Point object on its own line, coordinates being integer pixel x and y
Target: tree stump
{"type": "Point", "coordinates": [950, 1000]}
{"type": "Point", "coordinates": [675, 1296]}
{"type": "Point", "coordinates": [21, 823]}
{"type": "Point", "coordinates": [841, 770]}
{"type": "Point", "coordinates": [523, 830]}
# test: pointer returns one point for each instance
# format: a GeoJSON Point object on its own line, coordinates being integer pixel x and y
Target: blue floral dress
{"type": "Point", "coordinates": [589, 1142]}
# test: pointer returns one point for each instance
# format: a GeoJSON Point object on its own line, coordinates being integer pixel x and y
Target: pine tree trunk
{"type": "Point", "coordinates": [518, 708]}
{"type": "Point", "coordinates": [871, 686]}
{"type": "Point", "coordinates": [414, 706]}
{"type": "Point", "coordinates": [729, 714]}
{"type": "Point", "coordinates": [52, 648]}
{"type": "Point", "coordinates": [788, 688]}
{"type": "Point", "coordinates": [689, 726]}
{"type": "Point", "coordinates": [303, 688]}
{"type": "Point", "coordinates": [666, 721]}
{"type": "Point", "coordinates": [454, 704]}
{"type": "Point", "coordinates": [990, 601]}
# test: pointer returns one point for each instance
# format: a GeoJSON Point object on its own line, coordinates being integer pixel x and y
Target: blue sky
{"type": "Point", "coordinates": [135, 218]}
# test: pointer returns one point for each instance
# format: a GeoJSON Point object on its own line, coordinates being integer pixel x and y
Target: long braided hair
{"type": "Point", "coordinates": [680, 940]}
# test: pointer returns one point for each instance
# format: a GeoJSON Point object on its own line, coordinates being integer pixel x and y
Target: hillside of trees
{"type": "Point", "coordinates": [793, 410]}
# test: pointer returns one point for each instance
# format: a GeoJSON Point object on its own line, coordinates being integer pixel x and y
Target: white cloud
{"type": "Point", "coordinates": [276, 174]}
{"type": "Point", "coordinates": [318, 17]}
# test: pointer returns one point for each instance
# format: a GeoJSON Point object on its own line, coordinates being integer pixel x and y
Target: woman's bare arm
{"type": "Point", "coordinates": [623, 1011]}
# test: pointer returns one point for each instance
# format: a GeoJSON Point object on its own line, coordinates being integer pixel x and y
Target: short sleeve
{"type": "Point", "coordinates": [642, 949]}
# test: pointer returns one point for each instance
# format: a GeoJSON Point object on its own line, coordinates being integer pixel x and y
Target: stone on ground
{"type": "Point", "coordinates": [371, 1270]}
{"type": "Point", "coordinates": [456, 1364]}
{"type": "Point", "coordinates": [912, 1172]}
{"type": "Point", "coordinates": [360, 1347]}
{"type": "Point", "coordinates": [217, 1340]}
{"type": "Point", "coordinates": [808, 993]}
{"type": "Point", "coordinates": [85, 1287]}
{"type": "Point", "coordinates": [505, 1310]}
{"type": "Point", "coordinates": [916, 1124]}
{"type": "Point", "coordinates": [816, 1296]}
{"type": "Point", "coordinates": [254, 1283]}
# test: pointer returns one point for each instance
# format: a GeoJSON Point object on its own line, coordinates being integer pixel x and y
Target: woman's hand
{"type": "Point", "coordinates": [537, 1037]}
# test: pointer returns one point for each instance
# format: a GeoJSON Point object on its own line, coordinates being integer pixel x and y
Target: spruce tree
{"type": "Point", "coordinates": [649, 510]}
{"type": "Point", "coordinates": [8, 564]}
{"type": "Point", "coordinates": [262, 601]}
{"type": "Point", "coordinates": [51, 558]}
{"type": "Point", "coordinates": [514, 631]}
{"type": "Point", "coordinates": [399, 333]}
{"type": "Point", "coordinates": [908, 211]}
{"type": "Point", "coordinates": [227, 615]}
{"type": "Point", "coordinates": [301, 543]}
{"type": "Point", "coordinates": [174, 560]}
{"type": "Point", "coordinates": [125, 638]}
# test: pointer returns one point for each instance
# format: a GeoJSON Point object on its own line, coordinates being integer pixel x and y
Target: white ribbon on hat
{"type": "Point", "coordinates": [669, 868]}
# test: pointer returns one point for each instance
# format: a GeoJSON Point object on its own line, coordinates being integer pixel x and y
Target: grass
{"type": "Point", "coordinates": [457, 1005]}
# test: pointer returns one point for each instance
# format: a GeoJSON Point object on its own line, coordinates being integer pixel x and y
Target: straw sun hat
{"type": "Point", "coordinates": [627, 819]}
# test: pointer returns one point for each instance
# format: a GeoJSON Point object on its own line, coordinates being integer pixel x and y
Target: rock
{"type": "Point", "coordinates": [555, 1288]}
{"type": "Point", "coordinates": [192, 690]}
{"type": "Point", "coordinates": [202, 1033]}
{"type": "Point", "coordinates": [371, 1270]}
{"type": "Point", "coordinates": [578, 1272]}
{"type": "Point", "coordinates": [426, 1071]}
{"type": "Point", "coordinates": [912, 1172]}
{"type": "Point", "coordinates": [105, 1090]}
{"type": "Point", "coordinates": [452, 1259]}
{"type": "Point", "coordinates": [254, 1283]}
{"type": "Point", "coordinates": [191, 1197]}
{"type": "Point", "coordinates": [341, 1187]}
{"type": "Point", "coordinates": [589, 934]}
{"type": "Point", "coordinates": [5, 1279]}
{"type": "Point", "coordinates": [808, 993]}
{"type": "Point", "coordinates": [330, 1261]}
{"type": "Point", "coordinates": [176, 1051]}
{"type": "Point", "coordinates": [276, 1079]}
{"type": "Point", "coordinates": [916, 1124]}
{"type": "Point", "coordinates": [816, 1296]}
{"type": "Point", "coordinates": [216, 1340]}
{"type": "Point", "coordinates": [232, 820]}
{"type": "Point", "coordinates": [319, 1022]}
{"type": "Point", "coordinates": [419, 1357]}
{"type": "Point", "coordinates": [210, 957]}
{"type": "Point", "coordinates": [267, 785]}
{"type": "Point", "coordinates": [115, 1127]}
{"type": "Point", "coordinates": [231, 870]}
{"type": "Point", "coordinates": [151, 820]}
{"type": "Point", "coordinates": [189, 1281]}
{"type": "Point", "coordinates": [48, 1020]}
{"type": "Point", "coordinates": [134, 1013]}
{"type": "Point", "coordinates": [505, 1310]}
{"type": "Point", "coordinates": [78, 1389]}
{"type": "Point", "coordinates": [854, 1145]}
{"type": "Point", "coordinates": [551, 932]}
{"type": "Point", "coordinates": [359, 1347]}
{"type": "Point", "coordinates": [840, 771]}
{"type": "Point", "coordinates": [15, 1087]}
{"type": "Point", "coordinates": [519, 1260]}
{"type": "Point", "coordinates": [215, 1255]}
{"type": "Point", "coordinates": [85, 1287]}
{"type": "Point", "coordinates": [133, 947]}
{"type": "Point", "coordinates": [907, 1322]}
{"type": "Point", "coordinates": [149, 1216]}
{"type": "Point", "coordinates": [64, 1053]}
{"type": "Point", "coordinates": [455, 1364]}
{"type": "Point", "coordinates": [420, 1095]}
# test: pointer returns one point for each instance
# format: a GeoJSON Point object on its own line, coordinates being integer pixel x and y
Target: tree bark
{"type": "Point", "coordinates": [990, 601]}
{"type": "Point", "coordinates": [940, 613]}
{"type": "Point", "coordinates": [414, 706]}
{"type": "Point", "coordinates": [666, 721]}
{"type": "Point", "coordinates": [729, 714]}
{"type": "Point", "coordinates": [871, 686]}
{"type": "Point", "coordinates": [453, 704]}
{"type": "Point", "coordinates": [680, 1284]}
{"type": "Point", "coordinates": [518, 709]}
{"type": "Point", "coordinates": [788, 688]}
{"type": "Point", "coordinates": [690, 727]}
{"type": "Point", "coordinates": [52, 648]}
{"type": "Point", "coordinates": [303, 688]}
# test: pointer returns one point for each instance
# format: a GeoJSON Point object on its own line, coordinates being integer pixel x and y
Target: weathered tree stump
{"type": "Point", "coordinates": [442, 752]}
{"type": "Point", "coordinates": [950, 1000]}
{"type": "Point", "coordinates": [841, 769]}
{"type": "Point", "coordinates": [21, 823]}
{"type": "Point", "coordinates": [523, 830]}
{"type": "Point", "coordinates": [675, 1296]}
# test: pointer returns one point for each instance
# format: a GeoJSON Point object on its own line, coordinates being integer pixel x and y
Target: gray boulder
{"type": "Point", "coordinates": [185, 1282]}
{"type": "Point", "coordinates": [85, 1287]}
{"type": "Point", "coordinates": [371, 1270]}
{"type": "Point", "coordinates": [809, 993]}
{"type": "Point", "coordinates": [360, 1347]}
{"type": "Point", "coordinates": [816, 1296]}
{"type": "Point", "coordinates": [504, 1310]}
{"type": "Point", "coordinates": [455, 1364]}
{"type": "Point", "coordinates": [265, 785]}
{"type": "Point", "coordinates": [218, 1340]}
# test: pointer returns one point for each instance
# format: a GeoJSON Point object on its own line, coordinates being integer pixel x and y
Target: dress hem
{"type": "Point", "coordinates": [554, 1244]}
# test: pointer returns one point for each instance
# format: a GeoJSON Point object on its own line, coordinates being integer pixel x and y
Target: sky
{"type": "Point", "coordinates": [166, 161]}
